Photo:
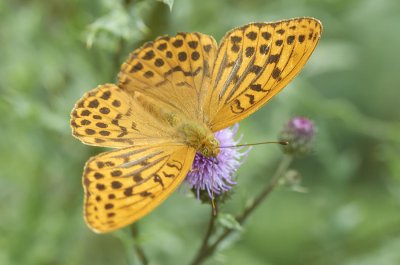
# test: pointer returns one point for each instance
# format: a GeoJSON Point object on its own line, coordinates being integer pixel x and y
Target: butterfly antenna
{"type": "Point", "coordinates": [260, 143]}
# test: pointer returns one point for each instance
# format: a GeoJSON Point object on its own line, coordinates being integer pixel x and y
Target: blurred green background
{"type": "Point", "coordinates": [54, 51]}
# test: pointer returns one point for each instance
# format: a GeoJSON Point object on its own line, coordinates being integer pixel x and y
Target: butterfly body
{"type": "Point", "coordinates": [192, 133]}
{"type": "Point", "coordinates": [172, 95]}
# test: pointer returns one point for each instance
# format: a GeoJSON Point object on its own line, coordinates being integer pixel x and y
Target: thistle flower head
{"type": "Point", "coordinates": [214, 176]}
{"type": "Point", "coordinates": [299, 133]}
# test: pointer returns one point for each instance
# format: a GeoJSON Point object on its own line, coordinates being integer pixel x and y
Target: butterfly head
{"type": "Point", "coordinates": [209, 147]}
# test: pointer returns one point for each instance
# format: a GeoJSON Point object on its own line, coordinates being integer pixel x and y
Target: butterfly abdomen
{"type": "Point", "coordinates": [162, 114]}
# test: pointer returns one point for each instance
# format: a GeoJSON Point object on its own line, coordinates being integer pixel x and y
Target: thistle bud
{"type": "Point", "coordinates": [299, 133]}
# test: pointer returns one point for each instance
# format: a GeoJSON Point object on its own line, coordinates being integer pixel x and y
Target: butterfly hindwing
{"type": "Point", "coordinates": [122, 186]}
{"type": "Point", "coordinates": [174, 70]}
{"type": "Point", "coordinates": [255, 62]}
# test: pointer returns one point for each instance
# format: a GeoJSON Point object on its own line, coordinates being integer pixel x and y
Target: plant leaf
{"type": "Point", "coordinates": [227, 220]}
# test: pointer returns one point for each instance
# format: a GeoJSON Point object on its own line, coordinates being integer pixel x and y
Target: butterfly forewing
{"type": "Point", "coordinates": [109, 116]}
{"type": "Point", "coordinates": [124, 185]}
{"type": "Point", "coordinates": [255, 62]}
{"type": "Point", "coordinates": [174, 70]}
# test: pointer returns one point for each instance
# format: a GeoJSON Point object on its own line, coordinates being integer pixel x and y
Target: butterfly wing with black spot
{"type": "Point", "coordinates": [111, 117]}
{"type": "Point", "coordinates": [174, 70]}
{"type": "Point", "coordinates": [254, 63]}
{"type": "Point", "coordinates": [122, 186]}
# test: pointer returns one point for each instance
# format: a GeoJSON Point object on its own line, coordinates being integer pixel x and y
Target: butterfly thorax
{"type": "Point", "coordinates": [200, 137]}
{"type": "Point", "coordinates": [192, 133]}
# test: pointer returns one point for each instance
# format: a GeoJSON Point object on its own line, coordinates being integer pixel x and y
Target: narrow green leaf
{"type": "Point", "coordinates": [227, 220]}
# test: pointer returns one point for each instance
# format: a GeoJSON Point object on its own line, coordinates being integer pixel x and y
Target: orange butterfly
{"type": "Point", "coordinates": [173, 94]}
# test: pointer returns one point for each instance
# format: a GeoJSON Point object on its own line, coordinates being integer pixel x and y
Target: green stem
{"type": "Point", "coordinates": [129, 239]}
{"type": "Point", "coordinates": [137, 247]}
{"type": "Point", "coordinates": [208, 249]}
{"type": "Point", "coordinates": [279, 173]}
{"type": "Point", "coordinates": [210, 230]}
{"type": "Point", "coordinates": [127, 242]}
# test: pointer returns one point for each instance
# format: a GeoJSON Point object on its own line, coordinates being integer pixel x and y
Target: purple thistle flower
{"type": "Point", "coordinates": [299, 132]}
{"type": "Point", "coordinates": [215, 175]}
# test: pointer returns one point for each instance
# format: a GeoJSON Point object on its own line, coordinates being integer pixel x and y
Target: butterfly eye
{"type": "Point", "coordinates": [204, 151]}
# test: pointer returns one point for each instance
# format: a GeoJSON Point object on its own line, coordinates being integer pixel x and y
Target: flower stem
{"type": "Point", "coordinates": [210, 229]}
{"type": "Point", "coordinates": [280, 171]}
{"type": "Point", "coordinates": [207, 248]}
{"type": "Point", "coordinates": [137, 247]}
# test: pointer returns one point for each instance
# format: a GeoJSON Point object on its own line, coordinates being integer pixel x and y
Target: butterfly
{"type": "Point", "coordinates": [172, 95]}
